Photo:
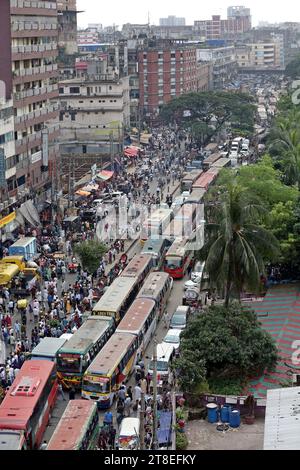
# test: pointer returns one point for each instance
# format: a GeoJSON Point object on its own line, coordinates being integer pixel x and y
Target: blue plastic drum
{"type": "Point", "coordinates": [225, 411]}
{"type": "Point", "coordinates": [235, 418]}
{"type": "Point", "coordinates": [212, 413]}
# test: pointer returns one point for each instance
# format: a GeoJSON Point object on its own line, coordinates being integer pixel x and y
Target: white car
{"type": "Point", "coordinates": [233, 154]}
{"type": "Point", "coordinates": [192, 285]}
{"type": "Point", "coordinates": [173, 337]}
{"type": "Point", "coordinates": [185, 194]}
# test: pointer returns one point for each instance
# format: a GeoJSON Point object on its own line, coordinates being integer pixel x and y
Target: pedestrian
{"type": "Point", "coordinates": [129, 392]}
{"type": "Point", "coordinates": [144, 385]}
{"type": "Point", "coordinates": [72, 394]}
{"type": "Point", "coordinates": [61, 392]}
{"type": "Point", "coordinates": [137, 395]}
{"type": "Point", "coordinates": [166, 319]}
{"type": "Point", "coordinates": [108, 419]}
{"type": "Point", "coordinates": [44, 446]}
{"type": "Point", "coordinates": [122, 393]}
{"type": "Point", "coordinates": [127, 406]}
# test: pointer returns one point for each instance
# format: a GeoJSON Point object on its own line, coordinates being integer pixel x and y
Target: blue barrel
{"type": "Point", "coordinates": [226, 409]}
{"type": "Point", "coordinates": [235, 418]}
{"type": "Point", "coordinates": [212, 413]}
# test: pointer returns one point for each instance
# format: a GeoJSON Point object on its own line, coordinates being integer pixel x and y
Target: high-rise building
{"type": "Point", "coordinates": [237, 23]}
{"type": "Point", "coordinates": [67, 26]}
{"type": "Point", "coordinates": [172, 21]}
{"type": "Point", "coordinates": [28, 36]}
{"type": "Point", "coordinates": [166, 70]}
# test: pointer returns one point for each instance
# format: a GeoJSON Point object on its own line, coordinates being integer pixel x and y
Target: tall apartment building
{"type": "Point", "coordinates": [28, 36]}
{"type": "Point", "coordinates": [237, 23]}
{"type": "Point", "coordinates": [67, 26]}
{"type": "Point", "coordinates": [166, 70]}
{"type": "Point", "coordinates": [261, 55]}
{"type": "Point", "coordinates": [94, 107]}
{"type": "Point", "coordinates": [224, 66]}
{"type": "Point", "coordinates": [172, 21]}
{"type": "Point", "coordinates": [88, 37]}
{"type": "Point", "coordinates": [7, 149]}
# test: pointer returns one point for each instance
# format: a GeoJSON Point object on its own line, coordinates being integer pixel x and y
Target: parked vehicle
{"type": "Point", "coordinates": [173, 337]}
{"type": "Point", "coordinates": [179, 318]}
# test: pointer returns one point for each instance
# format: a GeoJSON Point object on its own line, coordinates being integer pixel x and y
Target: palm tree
{"type": "Point", "coordinates": [236, 246]}
{"type": "Point", "coordinates": [287, 132]}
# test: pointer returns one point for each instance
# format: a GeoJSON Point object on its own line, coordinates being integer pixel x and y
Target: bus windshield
{"type": "Point", "coordinates": [97, 387]}
{"type": "Point", "coordinates": [69, 363]}
{"type": "Point", "coordinates": [173, 263]}
{"type": "Point", "coordinates": [161, 365]}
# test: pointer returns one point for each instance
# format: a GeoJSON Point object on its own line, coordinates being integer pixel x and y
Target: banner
{"type": "Point", "coordinates": [6, 220]}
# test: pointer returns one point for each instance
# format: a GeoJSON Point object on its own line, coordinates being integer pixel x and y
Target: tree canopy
{"type": "Point", "coordinates": [293, 68]}
{"type": "Point", "coordinates": [199, 111]}
{"type": "Point", "coordinates": [224, 342]}
{"type": "Point", "coordinates": [237, 246]}
{"type": "Point", "coordinates": [90, 253]}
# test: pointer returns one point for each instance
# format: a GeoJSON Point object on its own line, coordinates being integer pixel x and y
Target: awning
{"type": "Point", "coordinates": [105, 175]}
{"type": "Point", "coordinates": [80, 192]}
{"type": "Point", "coordinates": [29, 212]}
{"type": "Point", "coordinates": [90, 187]}
{"type": "Point", "coordinates": [131, 151]}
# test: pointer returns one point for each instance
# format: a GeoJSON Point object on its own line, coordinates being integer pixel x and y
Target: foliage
{"type": "Point", "coordinates": [192, 369]}
{"type": "Point", "coordinates": [237, 245]}
{"type": "Point", "coordinates": [181, 413]}
{"type": "Point", "coordinates": [90, 253]}
{"type": "Point", "coordinates": [230, 344]}
{"type": "Point", "coordinates": [207, 108]}
{"type": "Point", "coordinates": [227, 385]}
{"type": "Point", "coordinates": [181, 441]}
{"type": "Point", "coordinates": [293, 68]}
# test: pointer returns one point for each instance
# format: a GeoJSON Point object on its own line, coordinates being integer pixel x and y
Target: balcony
{"type": "Point", "coordinates": [36, 157]}
{"type": "Point", "coordinates": [32, 4]}
{"type": "Point", "coordinates": [35, 92]}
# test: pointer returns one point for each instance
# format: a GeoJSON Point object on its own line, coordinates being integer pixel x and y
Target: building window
{"type": "Point", "coordinates": [61, 91]}
{"type": "Point", "coordinates": [74, 89]}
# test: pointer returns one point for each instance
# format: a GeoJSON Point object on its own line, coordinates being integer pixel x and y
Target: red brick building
{"type": "Point", "coordinates": [165, 72]}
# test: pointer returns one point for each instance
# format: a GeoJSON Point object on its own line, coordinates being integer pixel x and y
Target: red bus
{"type": "Point", "coordinates": [207, 179]}
{"type": "Point", "coordinates": [78, 428]}
{"type": "Point", "coordinates": [178, 258]}
{"type": "Point", "coordinates": [27, 405]}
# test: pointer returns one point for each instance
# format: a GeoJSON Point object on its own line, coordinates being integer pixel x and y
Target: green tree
{"type": "Point", "coordinates": [192, 369]}
{"type": "Point", "coordinates": [228, 342]}
{"type": "Point", "coordinates": [237, 247]}
{"type": "Point", "coordinates": [90, 253]}
{"type": "Point", "coordinates": [293, 68]}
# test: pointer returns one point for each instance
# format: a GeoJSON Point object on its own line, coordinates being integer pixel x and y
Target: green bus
{"type": "Point", "coordinates": [76, 355]}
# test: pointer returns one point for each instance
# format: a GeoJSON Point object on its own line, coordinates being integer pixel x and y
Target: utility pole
{"type": "Point", "coordinates": [142, 422]}
{"type": "Point", "coordinates": [154, 437]}
{"type": "Point", "coordinates": [111, 139]}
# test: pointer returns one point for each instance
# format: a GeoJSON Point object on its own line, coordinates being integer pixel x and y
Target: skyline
{"type": "Point", "coordinates": [137, 13]}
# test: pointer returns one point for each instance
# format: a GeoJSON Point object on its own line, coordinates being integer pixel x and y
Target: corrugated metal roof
{"type": "Point", "coordinates": [282, 422]}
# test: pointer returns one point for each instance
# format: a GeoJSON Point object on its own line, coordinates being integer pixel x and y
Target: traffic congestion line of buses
{"type": "Point", "coordinates": [104, 351]}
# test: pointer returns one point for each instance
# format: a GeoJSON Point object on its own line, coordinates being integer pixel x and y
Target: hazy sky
{"type": "Point", "coordinates": [136, 11]}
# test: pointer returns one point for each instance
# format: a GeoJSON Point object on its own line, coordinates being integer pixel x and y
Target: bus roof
{"type": "Point", "coordinates": [24, 241]}
{"type": "Point", "coordinates": [136, 316]}
{"type": "Point", "coordinates": [212, 158]}
{"type": "Point", "coordinates": [205, 180]}
{"type": "Point", "coordinates": [196, 196]}
{"type": "Point", "coordinates": [178, 248]}
{"type": "Point", "coordinates": [137, 266]}
{"type": "Point", "coordinates": [185, 212]}
{"type": "Point", "coordinates": [153, 285]}
{"type": "Point", "coordinates": [192, 175]}
{"type": "Point", "coordinates": [153, 245]}
{"type": "Point", "coordinates": [92, 329]}
{"type": "Point", "coordinates": [107, 359]}
{"type": "Point", "coordinates": [160, 214]}
{"type": "Point", "coordinates": [113, 298]}
{"type": "Point", "coordinates": [72, 425]}
{"type": "Point", "coordinates": [222, 162]}
{"type": "Point", "coordinates": [22, 397]}
{"type": "Point", "coordinates": [178, 228]}
{"type": "Point", "coordinates": [10, 440]}
{"type": "Point", "coordinates": [48, 347]}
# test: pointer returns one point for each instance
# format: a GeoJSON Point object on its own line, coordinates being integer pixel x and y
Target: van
{"type": "Point", "coordinates": [180, 317]}
{"type": "Point", "coordinates": [129, 434]}
{"type": "Point", "coordinates": [165, 356]}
